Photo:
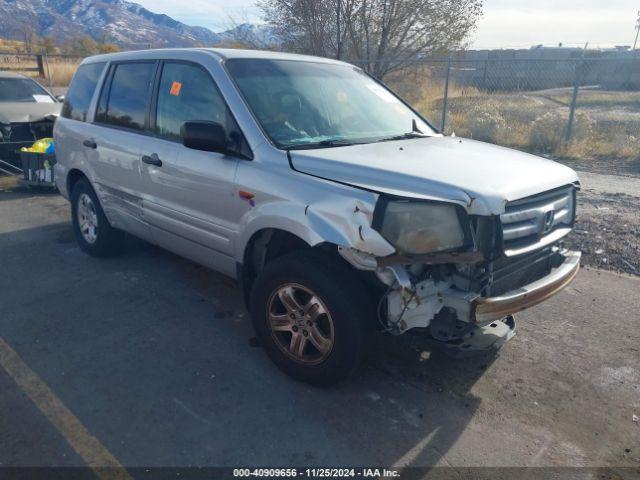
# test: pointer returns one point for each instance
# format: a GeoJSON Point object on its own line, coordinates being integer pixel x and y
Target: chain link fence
{"type": "Point", "coordinates": [581, 108]}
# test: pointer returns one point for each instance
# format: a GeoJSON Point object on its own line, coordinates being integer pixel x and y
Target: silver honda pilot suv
{"type": "Point", "coordinates": [336, 206]}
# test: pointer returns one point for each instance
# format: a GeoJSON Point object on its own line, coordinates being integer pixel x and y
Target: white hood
{"type": "Point", "coordinates": [479, 176]}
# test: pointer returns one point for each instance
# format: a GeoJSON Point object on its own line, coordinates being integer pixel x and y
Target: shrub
{"type": "Point", "coordinates": [486, 124]}
{"type": "Point", "coordinates": [548, 131]}
{"type": "Point", "coordinates": [480, 120]}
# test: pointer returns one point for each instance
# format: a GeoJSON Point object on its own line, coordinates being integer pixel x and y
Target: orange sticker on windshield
{"type": "Point", "coordinates": [175, 89]}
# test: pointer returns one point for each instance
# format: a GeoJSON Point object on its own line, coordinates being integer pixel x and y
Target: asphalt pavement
{"type": "Point", "coordinates": [146, 360]}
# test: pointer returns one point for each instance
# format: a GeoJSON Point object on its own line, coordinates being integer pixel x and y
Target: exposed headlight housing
{"type": "Point", "coordinates": [418, 227]}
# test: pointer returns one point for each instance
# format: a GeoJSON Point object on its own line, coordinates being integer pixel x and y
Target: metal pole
{"type": "Point", "coordinates": [635, 43]}
{"type": "Point", "coordinates": [46, 62]}
{"type": "Point", "coordinates": [40, 65]}
{"type": "Point", "coordinates": [484, 75]}
{"type": "Point", "coordinates": [574, 101]}
{"type": "Point", "coordinates": [443, 123]}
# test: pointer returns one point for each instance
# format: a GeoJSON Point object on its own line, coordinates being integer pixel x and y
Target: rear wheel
{"type": "Point", "coordinates": [93, 232]}
{"type": "Point", "coordinates": [311, 315]}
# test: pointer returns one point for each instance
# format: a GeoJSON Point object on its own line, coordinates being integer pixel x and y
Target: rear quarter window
{"type": "Point", "coordinates": [78, 99]}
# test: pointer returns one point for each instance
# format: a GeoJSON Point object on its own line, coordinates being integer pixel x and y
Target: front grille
{"type": "Point", "coordinates": [507, 273]}
{"type": "Point", "coordinates": [510, 273]}
{"type": "Point", "coordinates": [528, 222]}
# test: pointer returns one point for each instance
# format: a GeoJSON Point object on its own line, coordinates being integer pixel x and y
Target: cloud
{"type": "Point", "coordinates": [506, 23]}
{"type": "Point", "coordinates": [572, 22]}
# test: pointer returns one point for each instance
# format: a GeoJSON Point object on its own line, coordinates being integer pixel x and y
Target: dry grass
{"type": "Point", "coordinates": [606, 124]}
{"type": "Point", "coordinates": [424, 89]}
{"type": "Point", "coordinates": [61, 72]}
{"type": "Point", "coordinates": [58, 70]}
{"type": "Point", "coordinates": [14, 46]}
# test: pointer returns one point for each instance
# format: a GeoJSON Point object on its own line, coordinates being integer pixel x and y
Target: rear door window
{"type": "Point", "coordinates": [78, 99]}
{"type": "Point", "coordinates": [187, 93]}
{"type": "Point", "coordinates": [124, 103]}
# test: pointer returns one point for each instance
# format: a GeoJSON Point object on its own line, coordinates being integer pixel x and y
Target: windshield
{"type": "Point", "coordinates": [305, 104]}
{"type": "Point", "coordinates": [22, 90]}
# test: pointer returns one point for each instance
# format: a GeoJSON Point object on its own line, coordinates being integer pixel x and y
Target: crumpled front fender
{"type": "Point", "coordinates": [340, 221]}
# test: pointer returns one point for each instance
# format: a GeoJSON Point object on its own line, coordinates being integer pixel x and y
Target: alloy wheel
{"type": "Point", "coordinates": [300, 323]}
{"type": "Point", "coordinates": [87, 218]}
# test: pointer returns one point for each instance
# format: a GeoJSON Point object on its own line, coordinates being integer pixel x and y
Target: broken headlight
{"type": "Point", "coordinates": [415, 227]}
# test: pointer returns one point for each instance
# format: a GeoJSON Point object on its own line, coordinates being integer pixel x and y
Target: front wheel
{"type": "Point", "coordinates": [310, 314]}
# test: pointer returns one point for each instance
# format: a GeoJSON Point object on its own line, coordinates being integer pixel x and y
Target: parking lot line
{"type": "Point", "coordinates": [101, 461]}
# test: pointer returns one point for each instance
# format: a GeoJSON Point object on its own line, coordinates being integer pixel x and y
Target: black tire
{"type": "Point", "coordinates": [341, 293]}
{"type": "Point", "coordinates": [108, 240]}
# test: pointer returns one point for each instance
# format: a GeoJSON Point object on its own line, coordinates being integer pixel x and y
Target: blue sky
{"type": "Point", "coordinates": [506, 23]}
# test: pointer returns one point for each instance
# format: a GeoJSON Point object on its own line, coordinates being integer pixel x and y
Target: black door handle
{"type": "Point", "coordinates": [90, 144]}
{"type": "Point", "coordinates": [152, 159]}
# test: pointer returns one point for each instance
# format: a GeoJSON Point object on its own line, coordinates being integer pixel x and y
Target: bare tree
{"type": "Point", "coordinates": [28, 29]}
{"type": "Point", "coordinates": [380, 35]}
{"type": "Point", "coordinates": [309, 26]}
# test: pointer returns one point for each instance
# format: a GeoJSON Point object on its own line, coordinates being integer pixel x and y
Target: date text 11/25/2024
{"type": "Point", "coordinates": [316, 472]}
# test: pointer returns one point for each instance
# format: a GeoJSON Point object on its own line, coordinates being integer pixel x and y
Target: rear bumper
{"type": "Point", "coordinates": [486, 309]}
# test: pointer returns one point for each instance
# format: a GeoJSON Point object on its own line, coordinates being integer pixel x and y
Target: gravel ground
{"type": "Point", "coordinates": [605, 166]}
{"type": "Point", "coordinates": [607, 228]}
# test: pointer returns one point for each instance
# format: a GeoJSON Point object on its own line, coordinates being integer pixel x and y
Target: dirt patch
{"type": "Point", "coordinates": [607, 231]}
{"type": "Point", "coordinates": [625, 167]}
{"type": "Point", "coordinates": [8, 182]}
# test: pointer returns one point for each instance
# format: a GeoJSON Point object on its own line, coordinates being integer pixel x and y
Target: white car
{"type": "Point", "coordinates": [337, 207]}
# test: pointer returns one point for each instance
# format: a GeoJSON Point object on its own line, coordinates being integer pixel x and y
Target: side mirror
{"type": "Point", "coordinates": [60, 98]}
{"type": "Point", "coordinates": [205, 136]}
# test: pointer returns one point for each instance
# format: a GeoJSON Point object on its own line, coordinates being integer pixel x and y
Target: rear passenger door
{"type": "Point", "coordinates": [191, 200]}
{"type": "Point", "coordinates": [122, 114]}
{"type": "Point", "coordinates": [74, 127]}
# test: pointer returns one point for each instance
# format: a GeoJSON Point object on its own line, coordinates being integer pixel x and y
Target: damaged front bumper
{"type": "Point", "coordinates": [493, 308]}
{"type": "Point", "coordinates": [459, 319]}
{"type": "Point", "coordinates": [493, 322]}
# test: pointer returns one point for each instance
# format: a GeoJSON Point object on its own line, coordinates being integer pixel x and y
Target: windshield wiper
{"type": "Point", "coordinates": [403, 136]}
{"type": "Point", "coordinates": [336, 142]}
{"type": "Point", "coordinates": [339, 142]}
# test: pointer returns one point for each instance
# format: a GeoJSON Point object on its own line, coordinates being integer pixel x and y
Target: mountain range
{"type": "Point", "coordinates": [124, 23]}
